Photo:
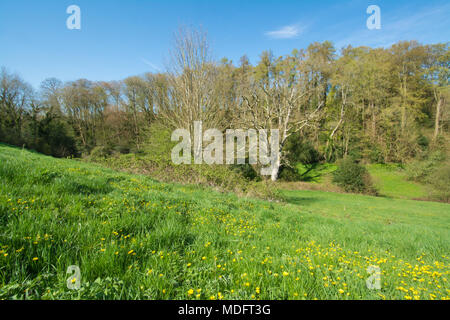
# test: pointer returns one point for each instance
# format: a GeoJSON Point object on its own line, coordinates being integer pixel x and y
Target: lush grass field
{"type": "Point", "coordinates": [389, 180]}
{"type": "Point", "coordinates": [134, 238]}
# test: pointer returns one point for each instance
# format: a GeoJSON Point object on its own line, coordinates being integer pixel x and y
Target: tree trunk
{"type": "Point", "coordinates": [438, 118]}
{"type": "Point", "coordinates": [403, 107]}
{"type": "Point", "coordinates": [374, 122]}
{"type": "Point", "coordinates": [403, 119]}
{"type": "Point", "coordinates": [275, 170]}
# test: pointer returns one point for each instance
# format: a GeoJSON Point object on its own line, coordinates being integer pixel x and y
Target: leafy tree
{"type": "Point", "coordinates": [353, 177]}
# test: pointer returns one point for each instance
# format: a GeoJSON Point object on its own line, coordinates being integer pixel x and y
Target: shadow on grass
{"type": "Point", "coordinates": [300, 200]}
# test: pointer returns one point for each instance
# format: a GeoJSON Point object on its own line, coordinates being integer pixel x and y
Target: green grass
{"type": "Point", "coordinates": [317, 174]}
{"type": "Point", "coordinates": [135, 238]}
{"type": "Point", "coordinates": [391, 181]}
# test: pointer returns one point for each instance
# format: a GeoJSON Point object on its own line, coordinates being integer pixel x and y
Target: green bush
{"type": "Point", "coordinates": [353, 177]}
{"type": "Point", "coordinates": [376, 155]}
{"type": "Point", "coordinates": [423, 142]}
{"type": "Point", "coordinates": [100, 152]}
{"type": "Point", "coordinates": [289, 173]}
{"type": "Point", "coordinates": [440, 182]}
{"type": "Point", "coordinates": [298, 151]}
{"type": "Point", "coordinates": [420, 171]}
{"type": "Point", "coordinates": [246, 170]}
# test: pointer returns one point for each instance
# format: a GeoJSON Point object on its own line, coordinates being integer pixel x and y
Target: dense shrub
{"type": "Point", "coordinates": [247, 171]}
{"type": "Point", "coordinates": [353, 177]}
{"type": "Point", "coordinates": [375, 155]}
{"type": "Point", "coordinates": [440, 182]}
{"type": "Point", "coordinates": [420, 171]}
{"type": "Point", "coordinates": [100, 152]}
{"type": "Point", "coordinates": [423, 142]}
{"type": "Point", "coordinates": [297, 150]}
{"type": "Point", "coordinates": [289, 173]}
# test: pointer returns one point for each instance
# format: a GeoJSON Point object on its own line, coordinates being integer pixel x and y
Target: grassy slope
{"type": "Point", "coordinates": [135, 238]}
{"type": "Point", "coordinates": [389, 180]}
{"type": "Point", "coordinates": [392, 182]}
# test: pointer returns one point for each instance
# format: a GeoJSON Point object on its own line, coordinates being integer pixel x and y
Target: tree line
{"type": "Point", "coordinates": [378, 104]}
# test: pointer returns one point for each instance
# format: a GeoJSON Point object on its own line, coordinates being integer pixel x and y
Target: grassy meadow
{"type": "Point", "coordinates": [135, 238]}
{"type": "Point", "coordinates": [388, 179]}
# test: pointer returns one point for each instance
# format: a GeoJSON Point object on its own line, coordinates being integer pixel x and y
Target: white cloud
{"type": "Point", "coordinates": [286, 32]}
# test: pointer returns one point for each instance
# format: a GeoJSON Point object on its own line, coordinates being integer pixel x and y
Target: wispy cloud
{"type": "Point", "coordinates": [151, 65]}
{"type": "Point", "coordinates": [286, 32]}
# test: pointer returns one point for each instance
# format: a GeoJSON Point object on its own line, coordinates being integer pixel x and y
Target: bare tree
{"type": "Point", "coordinates": [191, 79]}
{"type": "Point", "coordinates": [279, 99]}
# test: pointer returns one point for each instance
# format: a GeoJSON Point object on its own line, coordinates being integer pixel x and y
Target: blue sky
{"type": "Point", "coordinates": [123, 38]}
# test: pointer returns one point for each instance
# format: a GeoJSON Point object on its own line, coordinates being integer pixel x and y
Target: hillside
{"type": "Point", "coordinates": [135, 238]}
